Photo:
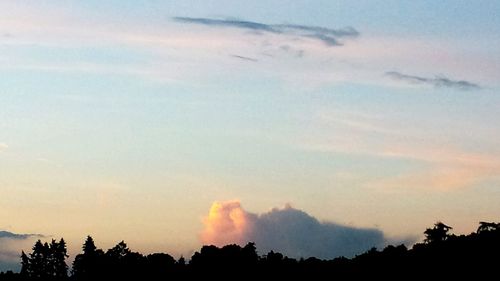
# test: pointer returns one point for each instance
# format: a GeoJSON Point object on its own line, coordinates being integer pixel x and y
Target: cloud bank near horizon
{"type": "Point", "coordinates": [17, 236]}
{"type": "Point", "coordinates": [10, 248]}
{"type": "Point", "coordinates": [288, 230]}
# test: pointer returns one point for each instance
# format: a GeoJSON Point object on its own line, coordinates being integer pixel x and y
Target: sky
{"type": "Point", "coordinates": [170, 124]}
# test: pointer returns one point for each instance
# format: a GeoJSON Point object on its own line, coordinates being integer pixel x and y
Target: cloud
{"type": "Point", "coordinates": [7, 234]}
{"type": "Point", "coordinates": [227, 223]}
{"type": "Point", "coordinates": [328, 36]}
{"type": "Point", "coordinates": [436, 162]}
{"type": "Point", "coordinates": [173, 55]}
{"type": "Point", "coordinates": [3, 146]}
{"type": "Point", "coordinates": [228, 23]}
{"type": "Point", "coordinates": [438, 81]}
{"type": "Point", "coordinates": [245, 58]}
{"type": "Point", "coordinates": [287, 230]}
{"type": "Point", "coordinates": [169, 54]}
{"type": "Point", "coordinates": [447, 169]}
{"type": "Point", "coordinates": [11, 245]}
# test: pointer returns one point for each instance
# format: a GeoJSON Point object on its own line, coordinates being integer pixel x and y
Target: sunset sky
{"type": "Point", "coordinates": [127, 120]}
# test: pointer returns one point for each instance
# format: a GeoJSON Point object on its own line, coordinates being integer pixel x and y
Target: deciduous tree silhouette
{"type": "Point", "coordinates": [213, 261]}
{"type": "Point", "coordinates": [160, 266]}
{"type": "Point", "coordinates": [438, 233]}
{"type": "Point", "coordinates": [487, 227]}
{"type": "Point", "coordinates": [118, 252]}
{"type": "Point", "coordinates": [121, 262]}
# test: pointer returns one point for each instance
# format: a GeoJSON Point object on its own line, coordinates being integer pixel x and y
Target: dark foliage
{"type": "Point", "coordinates": [441, 256]}
{"type": "Point", "coordinates": [46, 261]}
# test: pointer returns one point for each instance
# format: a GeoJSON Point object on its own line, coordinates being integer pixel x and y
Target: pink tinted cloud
{"type": "Point", "coordinates": [287, 230]}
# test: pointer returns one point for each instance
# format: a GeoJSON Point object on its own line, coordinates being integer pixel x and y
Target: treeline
{"type": "Point", "coordinates": [441, 255]}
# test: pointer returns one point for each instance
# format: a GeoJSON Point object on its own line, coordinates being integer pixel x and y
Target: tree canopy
{"type": "Point", "coordinates": [441, 255]}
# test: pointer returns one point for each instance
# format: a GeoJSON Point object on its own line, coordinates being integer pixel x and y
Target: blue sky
{"type": "Point", "coordinates": [121, 121]}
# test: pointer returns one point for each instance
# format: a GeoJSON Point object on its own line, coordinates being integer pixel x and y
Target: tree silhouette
{"type": "Point", "coordinates": [119, 251]}
{"type": "Point", "coordinates": [89, 247]}
{"type": "Point", "coordinates": [160, 266]}
{"type": "Point", "coordinates": [90, 263]}
{"type": "Point", "coordinates": [441, 256]}
{"type": "Point", "coordinates": [121, 262]}
{"type": "Point", "coordinates": [57, 256]}
{"type": "Point", "coordinates": [438, 233]}
{"type": "Point", "coordinates": [249, 254]}
{"type": "Point", "coordinates": [25, 265]}
{"type": "Point", "coordinates": [45, 261]}
{"type": "Point", "coordinates": [488, 226]}
{"type": "Point", "coordinates": [181, 261]}
{"type": "Point", "coordinates": [39, 260]}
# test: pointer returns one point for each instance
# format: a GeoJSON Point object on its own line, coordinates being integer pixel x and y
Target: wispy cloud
{"type": "Point", "coordinates": [328, 36]}
{"type": "Point", "coordinates": [245, 58]}
{"type": "Point", "coordinates": [229, 23]}
{"type": "Point", "coordinates": [288, 230]}
{"type": "Point", "coordinates": [169, 54]}
{"type": "Point", "coordinates": [434, 163]}
{"type": "Point", "coordinates": [437, 81]}
{"type": "Point", "coordinates": [3, 146]}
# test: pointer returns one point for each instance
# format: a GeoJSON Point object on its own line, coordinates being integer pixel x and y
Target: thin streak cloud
{"type": "Point", "coordinates": [438, 81]}
{"type": "Point", "coordinates": [442, 166]}
{"type": "Point", "coordinates": [229, 23]}
{"type": "Point", "coordinates": [328, 36]}
{"type": "Point", "coordinates": [245, 58]}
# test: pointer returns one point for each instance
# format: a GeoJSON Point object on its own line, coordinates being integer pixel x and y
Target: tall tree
{"type": "Point", "coordinates": [39, 260]}
{"type": "Point", "coordinates": [25, 265]}
{"type": "Point", "coordinates": [89, 247]}
{"type": "Point", "coordinates": [46, 261]}
{"type": "Point", "coordinates": [58, 255]}
{"type": "Point", "coordinates": [87, 264]}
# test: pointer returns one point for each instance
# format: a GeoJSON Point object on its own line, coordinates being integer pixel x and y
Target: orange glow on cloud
{"type": "Point", "coordinates": [288, 230]}
{"type": "Point", "coordinates": [226, 223]}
